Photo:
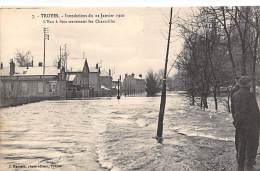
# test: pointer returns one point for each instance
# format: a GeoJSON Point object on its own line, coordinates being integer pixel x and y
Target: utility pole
{"type": "Point", "coordinates": [66, 56]}
{"type": "Point", "coordinates": [46, 36]}
{"type": "Point", "coordinates": [163, 95]}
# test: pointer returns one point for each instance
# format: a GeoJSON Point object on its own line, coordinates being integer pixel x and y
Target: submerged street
{"type": "Point", "coordinates": [110, 134]}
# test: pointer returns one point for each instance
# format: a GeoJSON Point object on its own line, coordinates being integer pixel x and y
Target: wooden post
{"type": "Point", "coordinates": [163, 95]}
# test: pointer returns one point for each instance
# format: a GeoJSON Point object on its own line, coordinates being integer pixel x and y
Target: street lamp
{"type": "Point", "coordinates": [118, 89]}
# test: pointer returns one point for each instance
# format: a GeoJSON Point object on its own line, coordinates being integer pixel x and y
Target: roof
{"type": "Point", "coordinates": [93, 69]}
{"type": "Point", "coordinates": [24, 71]}
{"type": "Point", "coordinates": [138, 78]}
{"type": "Point", "coordinates": [76, 65]}
{"type": "Point", "coordinates": [104, 87]}
{"type": "Point", "coordinates": [5, 71]}
{"type": "Point", "coordinates": [104, 73]}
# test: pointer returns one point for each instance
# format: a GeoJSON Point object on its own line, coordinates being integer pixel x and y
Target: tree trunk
{"type": "Point", "coordinates": [201, 102]}
{"type": "Point", "coordinates": [215, 97]}
{"type": "Point", "coordinates": [255, 56]}
{"type": "Point", "coordinates": [228, 100]}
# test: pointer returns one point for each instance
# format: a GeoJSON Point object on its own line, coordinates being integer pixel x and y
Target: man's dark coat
{"type": "Point", "coordinates": [246, 110]}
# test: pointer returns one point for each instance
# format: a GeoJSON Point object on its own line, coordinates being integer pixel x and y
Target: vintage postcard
{"type": "Point", "coordinates": [129, 88]}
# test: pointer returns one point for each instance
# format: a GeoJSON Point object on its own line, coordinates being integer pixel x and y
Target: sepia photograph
{"type": "Point", "coordinates": [130, 88]}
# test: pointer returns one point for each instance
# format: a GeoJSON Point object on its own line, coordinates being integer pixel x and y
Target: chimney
{"type": "Point", "coordinates": [32, 63]}
{"type": "Point", "coordinates": [1, 66]}
{"type": "Point", "coordinates": [40, 64]}
{"type": "Point", "coordinates": [109, 72]}
{"type": "Point", "coordinates": [12, 68]}
{"type": "Point", "coordinates": [96, 66]}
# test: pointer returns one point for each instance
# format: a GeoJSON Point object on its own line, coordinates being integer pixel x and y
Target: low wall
{"type": "Point", "coordinates": [24, 100]}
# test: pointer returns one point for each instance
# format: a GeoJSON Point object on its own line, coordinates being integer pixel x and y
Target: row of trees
{"type": "Point", "coordinates": [220, 43]}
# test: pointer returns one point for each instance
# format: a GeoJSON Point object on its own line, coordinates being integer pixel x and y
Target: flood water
{"type": "Point", "coordinates": [110, 134]}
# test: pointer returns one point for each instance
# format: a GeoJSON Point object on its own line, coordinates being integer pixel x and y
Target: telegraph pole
{"type": "Point", "coordinates": [66, 56]}
{"type": "Point", "coordinates": [46, 36]}
{"type": "Point", "coordinates": [163, 95]}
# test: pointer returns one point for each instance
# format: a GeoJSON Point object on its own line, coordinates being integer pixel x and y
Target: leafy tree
{"type": "Point", "coordinates": [152, 83]}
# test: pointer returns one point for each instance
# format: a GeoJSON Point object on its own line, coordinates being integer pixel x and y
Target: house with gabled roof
{"type": "Point", "coordinates": [82, 80]}
{"type": "Point", "coordinates": [77, 77]}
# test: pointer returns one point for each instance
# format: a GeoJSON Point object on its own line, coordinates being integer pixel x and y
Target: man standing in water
{"type": "Point", "coordinates": [247, 124]}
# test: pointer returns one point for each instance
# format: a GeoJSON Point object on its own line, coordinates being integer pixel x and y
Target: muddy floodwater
{"type": "Point", "coordinates": [110, 134]}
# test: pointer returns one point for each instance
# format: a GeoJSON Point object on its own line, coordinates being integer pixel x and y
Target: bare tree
{"type": "Point", "coordinates": [240, 16]}
{"type": "Point", "coordinates": [24, 59]}
{"type": "Point", "coordinates": [222, 15]}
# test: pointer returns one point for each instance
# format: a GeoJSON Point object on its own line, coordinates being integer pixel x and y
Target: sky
{"type": "Point", "coordinates": [135, 43]}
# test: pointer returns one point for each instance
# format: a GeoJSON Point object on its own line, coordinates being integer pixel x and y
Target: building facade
{"type": "Point", "coordinates": [77, 81]}
{"type": "Point", "coordinates": [133, 85]}
{"type": "Point", "coordinates": [106, 80]}
{"type": "Point", "coordinates": [94, 81]}
{"type": "Point", "coordinates": [20, 85]}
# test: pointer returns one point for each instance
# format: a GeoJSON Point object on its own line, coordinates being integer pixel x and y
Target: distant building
{"type": "Point", "coordinates": [78, 80]}
{"type": "Point", "coordinates": [94, 78]}
{"type": "Point", "coordinates": [85, 81]}
{"type": "Point", "coordinates": [20, 85]}
{"type": "Point", "coordinates": [106, 80]}
{"type": "Point", "coordinates": [133, 84]}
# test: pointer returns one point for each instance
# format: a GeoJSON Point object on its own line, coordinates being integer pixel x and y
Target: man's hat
{"type": "Point", "coordinates": [244, 81]}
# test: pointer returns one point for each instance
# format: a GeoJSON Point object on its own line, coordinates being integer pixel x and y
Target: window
{"type": "Point", "coordinates": [8, 86]}
{"type": "Point", "coordinates": [40, 87]}
{"type": "Point", "coordinates": [24, 88]}
{"type": "Point", "coordinates": [52, 86]}
{"type": "Point", "coordinates": [8, 89]}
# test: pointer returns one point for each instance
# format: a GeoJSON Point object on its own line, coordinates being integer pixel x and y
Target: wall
{"type": "Point", "coordinates": [133, 85]}
{"type": "Point", "coordinates": [94, 81]}
{"type": "Point", "coordinates": [19, 90]}
{"type": "Point", "coordinates": [106, 81]}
